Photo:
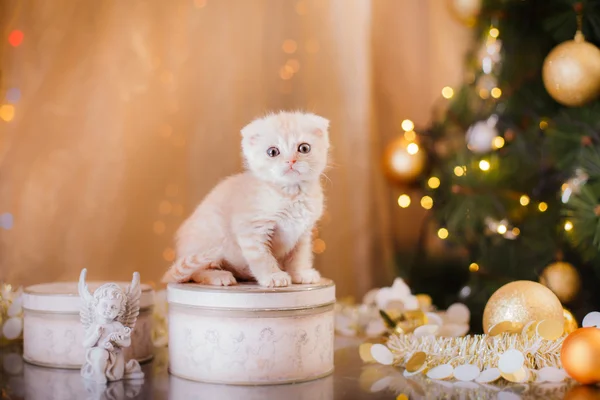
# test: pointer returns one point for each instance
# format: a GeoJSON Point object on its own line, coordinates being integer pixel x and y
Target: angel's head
{"type": "Point", "coordinates": [109, 301]}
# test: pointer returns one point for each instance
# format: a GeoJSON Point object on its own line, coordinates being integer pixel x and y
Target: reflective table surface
{"type": "Point", "coordinates": [352, 380]}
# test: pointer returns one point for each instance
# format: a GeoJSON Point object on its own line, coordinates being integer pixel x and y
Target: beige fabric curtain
{"type": "Point", "coordinates": [130, 113]}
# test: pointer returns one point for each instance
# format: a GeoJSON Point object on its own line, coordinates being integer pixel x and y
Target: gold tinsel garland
{"type": "Point", "coordinates": [480, 350]}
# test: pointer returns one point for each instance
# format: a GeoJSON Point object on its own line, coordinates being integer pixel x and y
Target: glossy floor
{"type": "Point", "coordinates": [351, 381]}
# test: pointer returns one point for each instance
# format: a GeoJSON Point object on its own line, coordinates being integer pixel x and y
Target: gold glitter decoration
{"type": "Point", "coordinates": [365, 352]}
{"type": "Point", "coordinates": [571, 72]}
{"type": "Point", "coordinates": [480, 350]}
{"type": "Point", "coordinates": [505, 327]}
{"type": "Point", "coordinates": [570, 321]}
{"type": "Point", "coordinates": [416, 361]}
{"type": "Point", "coordinates": [521, 302]}
{"type": "Point", "coordinates": [550, 329]}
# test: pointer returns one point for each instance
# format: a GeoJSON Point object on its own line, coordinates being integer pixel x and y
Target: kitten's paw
{"type": "Point", "coordinates": [306, 276]}
{"type": "Point", "coordinates": [171, 277]}
{"type": "Point", "coordinates": [276, 279]}
{"type": "Point", "coordinates": [214, 277]}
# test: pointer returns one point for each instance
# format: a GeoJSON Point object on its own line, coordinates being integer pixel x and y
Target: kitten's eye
{"type": "Point", "coordinates": [272, 151]}
{"type": "Point", "coordinates": [304, 148]}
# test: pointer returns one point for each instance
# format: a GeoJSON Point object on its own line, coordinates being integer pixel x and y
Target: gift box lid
{"type": "Point", "coordinates": [64, 297]}
{"type": "Point", "coordinates": [251, 296]}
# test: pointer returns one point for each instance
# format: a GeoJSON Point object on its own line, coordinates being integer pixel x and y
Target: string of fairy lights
{"type": "Point", "coordinates": [484, 140]}
{"type": "Point", "coordinates": [12, 96]}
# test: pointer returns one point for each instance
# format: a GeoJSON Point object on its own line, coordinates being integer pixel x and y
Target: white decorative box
{"type": "Point", "coordinates": [53, 334]}
{"type": "Point", "coordinates": [251, 335]}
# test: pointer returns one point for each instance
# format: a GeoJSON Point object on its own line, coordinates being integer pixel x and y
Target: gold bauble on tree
{"type": "Point", "coordinates": [563, 279]}
{"type": "Point", "coordinates": [521, 302]}
{"type": "Point", "coordinates": [580, 355]}
{"type": "Point", "coordinates": [403, 161]}
{"type": "Point", "coordinates": [466, 11]}
{"type": "Point", "coordinates": [570, 321]}
{"type": "Point", "coordinates": [571, 72]}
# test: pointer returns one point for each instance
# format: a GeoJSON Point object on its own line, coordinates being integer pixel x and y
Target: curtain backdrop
{"type": "Point", "coordinates": [126, 113]}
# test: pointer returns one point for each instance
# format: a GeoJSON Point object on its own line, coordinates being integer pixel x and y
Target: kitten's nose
{"type": "Point", "coordinates": [291, 162]}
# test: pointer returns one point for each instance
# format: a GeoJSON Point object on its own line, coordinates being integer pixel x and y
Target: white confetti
{"type": "Point", "coordinates": [426, 330]}
{"type": "Point", "coordinates": [434, 319]}
{"type": "Point", "coordinates": [592, 319]}
{"type": "Point", "coordinates": [15, 309]}
{"type": "Point", "coordinates": [454, 330]}
{"type": "Point", "coordinates": [375, 328]}
{"type": "Point", "coordinates": [488, 375]}
{"type": "Point", "coordinates": [443, 371]}
{"type": "Point", "coordinates": [12, 328]}
{"type": "Point", "coordinates": [382, 354]}
{"type": "Point", "coordinates": [511, 361]}
{"type": "Point", "coordinates": [381, 384]}
{"type": "Point", "coordinates": [466, 372]}
{"type": "Point", "coordinates": [551, 374]}
{"type": "Point", "coordinates": [458, 313]}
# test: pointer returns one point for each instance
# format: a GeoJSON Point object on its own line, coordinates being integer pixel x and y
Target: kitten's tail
{"type": "Point", "coordinates": [182, 269]}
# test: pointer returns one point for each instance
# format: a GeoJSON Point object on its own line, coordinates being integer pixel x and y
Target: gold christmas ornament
{"type": "Point", "coordinates": [580, 355]}
{"type": "Point", "coordinates": [403, 161]}
{"type": "Point", "coordinates": [466, 11]}
{"type": "Point", "coordinates": [571, 72]}
{"type": "Point", "coordinates": [563, 279]}
{"type": "Point", "coordinates": [522, 302]}
{"type": "Point", "coordinates": [570, 321]}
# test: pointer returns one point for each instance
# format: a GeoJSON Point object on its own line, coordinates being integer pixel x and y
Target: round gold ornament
{"type": "Point", "coordinates": [571, 72]}
{"type": "Point", "coordinates": [570, 321]}
{"type": "Point", "coordinates": [521, 302]}
{"type": "Point", "coordinates": [580, 355]}
{"type": "Point", "coordinates": [403, 161]}
{"type": "Point", "coordinates": [563, 279]}
{"type": "Point", "coordinates": [466, 11]}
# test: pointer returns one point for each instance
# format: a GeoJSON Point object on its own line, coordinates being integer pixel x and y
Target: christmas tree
{"type": "Point", "coordinates": [512, 176]}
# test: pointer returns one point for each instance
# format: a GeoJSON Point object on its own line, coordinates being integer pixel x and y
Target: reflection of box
{"type": "Point", "coordinates": [319, 389]}
{"type": "Point", "coordinates": [53, 334]}
{"type": "Point", "coordinates": [247, 334]}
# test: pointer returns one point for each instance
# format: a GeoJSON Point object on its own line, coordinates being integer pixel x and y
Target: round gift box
{"type": "Point", "coordinates": [52, 331]}
{"type": "Point", "coordinates": [251, 335]}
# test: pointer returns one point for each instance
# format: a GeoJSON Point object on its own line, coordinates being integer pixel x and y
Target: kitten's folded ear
{"type": "Point", "coordinates": [320, 124]}
{"type": "Point", "coordinates": [251, 131]}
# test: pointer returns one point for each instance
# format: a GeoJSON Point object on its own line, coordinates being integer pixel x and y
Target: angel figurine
{"type": "Point", "coordinates": [108, 317]}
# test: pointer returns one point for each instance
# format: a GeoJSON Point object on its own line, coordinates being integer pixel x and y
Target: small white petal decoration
{"type": "Point", "coordinates": [426, 330]}
{"type": "Point", "coordinates": [458, 313]}
{"type": "Point", "coordinates": [466, 372]}
{"type": "Point", "coordinates": [488, 375]}
{"type": "Point", "coordinates": [443, 371]}
{"type": "Point", "coordinates": [12, 328]}
{"type": "Point", "coordinates": [382, 354]}
{"type": "Point", "coordinates": [592, 319]}
{"type": "Point", "coordinates": [511, 361]}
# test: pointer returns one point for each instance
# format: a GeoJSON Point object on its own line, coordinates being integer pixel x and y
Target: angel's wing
{"type": "Point", "coordinates": [86, 313]}
{"type": "Point", "coordinates": [132, 308]}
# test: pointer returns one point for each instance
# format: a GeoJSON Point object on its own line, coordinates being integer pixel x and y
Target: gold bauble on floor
{"type": "Point", "coordinates": [571, 72]}
{"type": "Point", "coordinates": [563, 279]}
{"type": "Point", "coordinates": [403, 161]}
{"type": "Point", "coordinates": [580, 355]}
{"type": "Point", "coordinates": [570, 321]}
{"type": "Point", "coordinates": [521, 302]}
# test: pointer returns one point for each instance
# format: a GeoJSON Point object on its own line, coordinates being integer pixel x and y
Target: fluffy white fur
{"type": "Point", "coordinates": [258, 224]}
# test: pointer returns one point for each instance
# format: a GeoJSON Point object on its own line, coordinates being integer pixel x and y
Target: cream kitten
{"type": "Point", "coordinates": [258, 224]}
